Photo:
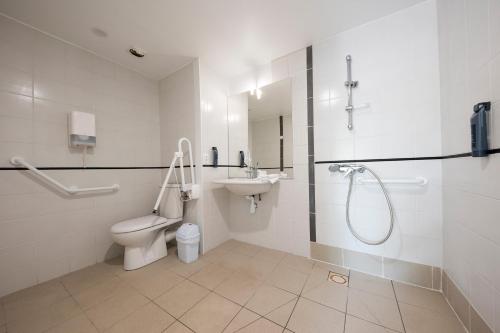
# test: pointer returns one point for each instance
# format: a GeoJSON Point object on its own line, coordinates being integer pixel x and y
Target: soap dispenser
{"type": "Point", "coordinates": [479, 129]}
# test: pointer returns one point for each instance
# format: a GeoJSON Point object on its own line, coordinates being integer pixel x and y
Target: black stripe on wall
{"type": "Point", "coordinates": [310, 143]}
{"type": "Point", "coordinates": [281, 144]}
{"type": "Point", "coordinates": [116, 168]}
{"type": "Point", "coordinates": [397, 159]}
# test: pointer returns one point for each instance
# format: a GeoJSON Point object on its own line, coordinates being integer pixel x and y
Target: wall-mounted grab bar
{"type": "Point", "coordinates": [19, 161]}
{"type": "Point", "coordinates": [419, 181]}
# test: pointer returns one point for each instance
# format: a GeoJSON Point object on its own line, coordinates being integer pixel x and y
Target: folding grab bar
{"type": "Point", "coordinates": [16, 160]}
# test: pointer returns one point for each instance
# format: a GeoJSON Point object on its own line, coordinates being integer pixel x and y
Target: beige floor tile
{"type": "Point", "coordinates": [115, 265]}
{"type": "Point", "coordinates": [372, 284]}
{"type": "Point", "coordinates": [3, 329]}
{"type": "Point", "coordinates": [259, 269]}
{"type": "Point", "coordinates": [99, 293]}
{"type": "Point", "coordinates": [167, 262]}
{"type": "Point", "coordinates": [46, 317]}
{"type": "Point", "coordinates": [211, 276]}
{"type": "Point", "coordinates": [2, 314]}
{"type": "Point", "coordinates": [302, 264]}
{"type": "Point", "coordinates": [270, 255]}
{"type": "Point", "coordinates": [282, 314]}
{"type": "Point", "coordinates": [87, 277]}
{"type": "Point", "coordinates": [310, 317]}
{"type": "Point", "coordinates": [154, 282]}
{"type": "Point", "coordinates": [79, 324]}
{"type": "Point", "coordinates": [262, 326]}
{"type": "Point", "coordinates": [356, 325]}
{"type": "Point", "coordinates": [268, 298]}
{"type": "Point", "coordinates": [214, 255]}
{"type": "Point", "coordinates": [212, 314]}
{"type": "Point", "coordinates": [242, 319]}
{"type": "Point", "coordinates": [116, 308]}
{"type": "Point", "coordinates": [239, 287]}
{"type": "Point", "coordinates": [147, 319]}
{"type": "Point", "coordinates": [234, 261]}
{"type": "Point", "coordinates": [246, 249]}
{"type": "Point", "coordinates": [376, 309]}
{"type": "Point", "coordinates": [27, 301]}
{"type": "Point", "coordinates": [288, 279]}
{"type": "Point", "coordinates": [229, 245]}
{"type": "Point", "coordinates": [181, 298]}
{"type": "Point", "coordinates": [318, 276]}
{"type": "Point", "coordinates": [330, 294]}
{"type": "Point", "coordinates": [186, 270]}
{"type": "Point", "coordinates": [422, 297]}
{"type": "Point", "coordinates": [422, 320]}
{"type": "Point", "coordinates": [177, 327]}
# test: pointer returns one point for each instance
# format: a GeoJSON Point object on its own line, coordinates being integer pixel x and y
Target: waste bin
{"type": "Point", "coordinates": [188, 240]}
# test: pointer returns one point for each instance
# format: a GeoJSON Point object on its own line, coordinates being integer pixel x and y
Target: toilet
{"type": "Point", "coordinates": [144, 237]}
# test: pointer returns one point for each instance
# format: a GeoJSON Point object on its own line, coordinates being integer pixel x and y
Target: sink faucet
{"type": "Point", "coordinates": [252, 171]}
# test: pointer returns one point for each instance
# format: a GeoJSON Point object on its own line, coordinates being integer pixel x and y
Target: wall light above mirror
{"type": "Point", "coordinates": [260, 130]}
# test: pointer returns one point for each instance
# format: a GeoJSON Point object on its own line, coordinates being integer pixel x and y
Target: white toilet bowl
{"type": "Point", "coordinates": [144, 237]}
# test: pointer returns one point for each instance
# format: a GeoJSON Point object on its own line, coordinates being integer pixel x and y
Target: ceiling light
{"type": "Point", "coordinates": [258, 92]}
{"type": "Point", "coordinates": [135, 51]}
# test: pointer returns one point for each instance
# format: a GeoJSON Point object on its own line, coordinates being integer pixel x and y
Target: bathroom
{"type": "Point", "coordinates": [214, 166]}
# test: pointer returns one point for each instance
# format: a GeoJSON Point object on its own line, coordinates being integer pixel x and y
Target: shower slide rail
{"type": "Point", "coordinates": [419, 181]}
{"type": "Point", "coordinates": [19, 161]}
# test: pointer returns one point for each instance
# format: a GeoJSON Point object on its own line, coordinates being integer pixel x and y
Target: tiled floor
{"type": "Point", "coordinates": [235, 287]}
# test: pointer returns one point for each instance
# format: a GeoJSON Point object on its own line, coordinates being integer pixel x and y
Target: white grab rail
{"type": "Point", "coordinates": [16, 160]}
{"type": "Point", "coordinates": [419, 181]}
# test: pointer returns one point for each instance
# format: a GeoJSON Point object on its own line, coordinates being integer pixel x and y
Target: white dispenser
{"type": "Point", "coordinates": [82, 129]}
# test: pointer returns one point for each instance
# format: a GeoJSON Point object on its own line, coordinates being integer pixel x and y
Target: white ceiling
{"type": "Point", "coordinates": [230, 36]}
{"type": "Point", "coordinates": [276, 100]}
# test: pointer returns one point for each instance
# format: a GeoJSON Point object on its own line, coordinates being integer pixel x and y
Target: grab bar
{"type": "Point", "coordinates": [419, 181]}
{"type": "Point", "coordinates": [16, 160]}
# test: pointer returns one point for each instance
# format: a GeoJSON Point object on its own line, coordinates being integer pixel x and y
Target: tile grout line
{"type": "Point", "coordinates": [399, 309]}
{"type": "Point", "coordinates": [78, 304]}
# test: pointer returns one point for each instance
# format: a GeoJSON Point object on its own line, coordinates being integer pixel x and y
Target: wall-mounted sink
{"type": "Point", "coordinates": [246, 186]}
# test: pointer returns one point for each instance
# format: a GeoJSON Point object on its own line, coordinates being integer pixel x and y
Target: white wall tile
{"type": "Point", "coordinates": [64, 79]}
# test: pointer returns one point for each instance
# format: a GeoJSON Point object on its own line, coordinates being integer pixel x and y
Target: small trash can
{"type": "Point", "coordinates": [188, 240]}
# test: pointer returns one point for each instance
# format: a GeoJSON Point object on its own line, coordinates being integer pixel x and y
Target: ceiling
{"type": "Point", "coordinates": [276, 100]}
{"type": "Point", "coordinates": [230, 36]}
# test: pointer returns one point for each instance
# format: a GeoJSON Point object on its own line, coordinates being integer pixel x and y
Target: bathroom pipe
{"type": "Point", "coordinates": [169, 235]}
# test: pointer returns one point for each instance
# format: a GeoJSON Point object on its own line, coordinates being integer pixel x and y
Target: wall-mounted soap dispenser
{"type": "Point", "coordinates": [215, 157]}
{"type": "Point", "coordinates": [479, 129]}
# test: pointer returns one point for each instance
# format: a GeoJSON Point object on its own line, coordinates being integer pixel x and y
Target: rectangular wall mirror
{"type": "Point", "coordinates": [260, 130]}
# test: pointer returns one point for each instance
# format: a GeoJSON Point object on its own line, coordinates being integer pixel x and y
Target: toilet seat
{"type": "Point", "coordinates": [142, 223]}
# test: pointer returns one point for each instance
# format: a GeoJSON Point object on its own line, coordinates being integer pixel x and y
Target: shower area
{"type": "Point", "coordinates": [377, 142]}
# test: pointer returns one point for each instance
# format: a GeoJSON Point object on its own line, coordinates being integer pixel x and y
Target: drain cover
{"type": "Point", "coordinates": [338, 278]}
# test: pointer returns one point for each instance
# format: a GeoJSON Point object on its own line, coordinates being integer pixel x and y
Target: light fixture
{"type": "Point", "coordinates": [139, 53]}
{"type": "Point", "coordinates": [258, 92]}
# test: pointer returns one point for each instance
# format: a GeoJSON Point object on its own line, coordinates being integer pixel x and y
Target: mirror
{"type": "Point", "coordinates": [260, 130]}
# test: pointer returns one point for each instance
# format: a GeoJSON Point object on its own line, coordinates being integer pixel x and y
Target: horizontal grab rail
{"type": "Point", "coordinates": [419, 181]}
{"type": "Point", "coordinates": [16, 160]}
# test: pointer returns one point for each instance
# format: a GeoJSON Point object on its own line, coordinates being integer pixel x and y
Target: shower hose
{"type": "Point", "coordinates": [389, 205]}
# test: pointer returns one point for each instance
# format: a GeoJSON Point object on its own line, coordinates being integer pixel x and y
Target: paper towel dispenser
{"type": "Point", "coordinates": [82, 129]}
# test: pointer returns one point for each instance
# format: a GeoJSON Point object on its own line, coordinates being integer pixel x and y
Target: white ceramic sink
{"type": "Point", "coordinates": [246, 186]}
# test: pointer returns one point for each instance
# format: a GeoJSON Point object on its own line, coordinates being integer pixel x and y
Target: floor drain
{"type": "Point", "coordinates": [338, 278]}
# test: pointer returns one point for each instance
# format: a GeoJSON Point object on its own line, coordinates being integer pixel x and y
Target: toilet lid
{"type": "Point", "coordinates": [137, 224]}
